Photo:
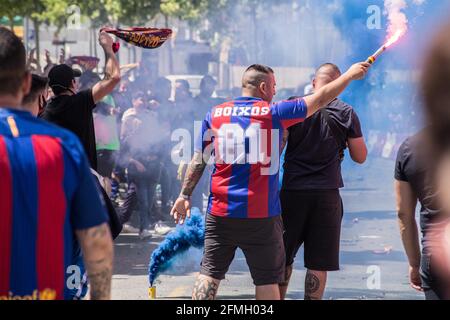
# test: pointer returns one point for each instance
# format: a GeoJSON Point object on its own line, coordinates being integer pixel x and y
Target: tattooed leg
{"type": "Point", "coordinates": [205, 288]}
{"type": "Point", "coordinates": [315, 284]}
{"type": "Point", "coordinates": [284, 285]}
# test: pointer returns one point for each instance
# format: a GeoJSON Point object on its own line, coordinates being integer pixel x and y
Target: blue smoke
{"type": "Point", "coordinates": [191, 234]}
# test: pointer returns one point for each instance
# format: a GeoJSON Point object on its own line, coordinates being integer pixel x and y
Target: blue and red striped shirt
{"type": "Point", "coordinates": [47, 193]}
{"type": "Point", "coordinates": [245, 136]}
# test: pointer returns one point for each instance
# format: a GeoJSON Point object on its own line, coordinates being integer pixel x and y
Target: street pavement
{"type": "Point", "coordinates": [373, 264]}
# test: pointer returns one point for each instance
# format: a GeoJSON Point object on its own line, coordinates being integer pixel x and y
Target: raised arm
{"type": "Point", "coordinates": [97, 248]}
{"type": "Point", "coordinates": [112, 69]}
{"type": "Point", "coordinates": [326, 94]}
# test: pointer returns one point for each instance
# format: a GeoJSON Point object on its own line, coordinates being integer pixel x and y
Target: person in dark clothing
{"type": "Point", "coordinates": [414, 183]}
{"type": "Point", "coordinates": [435, 90]}
{"type": "Point", "coordinates": [162, 91]}
{"type": "Point", "coordinates": [141, 154]}
{"type": "Point", "coordinates": [205, 100]}
{"type": "Point", "coordinates": [164, 109]}
{"type": "Point", "coordinates": [36, 99]}
{"type": "Point", "coordinates": [72, 110]}
{"type": "Point", "coordinates": [311, 204]}
{"type": "Point", "coordinates": [423, 173]}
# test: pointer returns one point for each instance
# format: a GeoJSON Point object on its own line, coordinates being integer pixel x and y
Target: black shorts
{"type": "Point", "coordinates": [313, 218]}
{"type": "Point", "coordinates": [261, 240]}
{"type": "Point", "coordinates": [106, 160]}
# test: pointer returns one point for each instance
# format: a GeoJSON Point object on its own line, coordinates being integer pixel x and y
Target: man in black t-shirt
{"type": "Point", "coordinates": [414, 182]}
{"type": "Point", "coordinates": [72, 110]}
{"type": "Point", "coordinates": [310, 200]}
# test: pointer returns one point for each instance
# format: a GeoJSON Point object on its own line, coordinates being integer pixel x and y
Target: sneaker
{"type": "Point", "coordinates": [129, 229]}
{"type": "Point", "coordinates": [145, 234]}
{"type": "Point", "coordinates": [162, 229]}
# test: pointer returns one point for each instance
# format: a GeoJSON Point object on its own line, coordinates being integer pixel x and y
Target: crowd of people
{"type": "Point", "coordinates": [132, 128]}
{"type": "Point", "coordinates": [69, 137]}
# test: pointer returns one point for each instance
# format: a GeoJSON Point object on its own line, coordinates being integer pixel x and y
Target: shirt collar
{"type": "Point", "coordinates": [248, 99]}
{"type": "Point", "coordinates": [10, 111]}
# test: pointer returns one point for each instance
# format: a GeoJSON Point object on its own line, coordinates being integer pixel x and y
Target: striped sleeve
{"type": "Point", "coordinates": [204, 139]}
{"type": "Point", "coordinates": [290, 112]}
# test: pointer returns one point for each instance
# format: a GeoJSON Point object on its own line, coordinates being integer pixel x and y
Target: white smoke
{"type": "Point", "coordinates": [398, 23]}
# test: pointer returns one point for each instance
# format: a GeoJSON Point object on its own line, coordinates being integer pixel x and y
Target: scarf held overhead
{"type": "Point", "coordinates": [147, 38]}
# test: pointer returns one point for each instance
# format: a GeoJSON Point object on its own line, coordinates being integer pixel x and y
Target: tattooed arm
{"type": "Point", "coordinates": [112, 70]}
{"type": "Point", "coordinates": [97, 247]}
{"type": "Point", "coordinates": [194, 172]}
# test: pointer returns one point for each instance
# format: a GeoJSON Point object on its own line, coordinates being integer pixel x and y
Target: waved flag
{"type": "Point", "coordinates": [147, 38]}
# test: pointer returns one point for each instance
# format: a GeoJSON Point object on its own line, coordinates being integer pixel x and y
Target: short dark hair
{"type": "Point", "coordinates": [330, 65]}
{"type": "Point", "coordinates": [138, 94]}
{"type": "Point", "coordinates": [261, 75]}
{"type": "Point", "coordinates": [260, 68]}
{"type": "Point", "coordinates": [184, 83]}
{"type": "Point", "coordinates": [12, 62]}
{"type": "Point", "coordinates": [38, 84]}
{"type": "Point", "coordinates": [207, 79]}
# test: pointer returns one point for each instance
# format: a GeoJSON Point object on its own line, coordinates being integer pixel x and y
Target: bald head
{"type": "Point", "coordinates": [325, 74]}
{"type": "Point", "coordinates": [259, 81]}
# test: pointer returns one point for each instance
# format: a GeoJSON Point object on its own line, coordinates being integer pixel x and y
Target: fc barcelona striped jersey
{"type": "Point", "coordinates": [46, 192]}
{"type": "Point", "coordinates": [244, 136]}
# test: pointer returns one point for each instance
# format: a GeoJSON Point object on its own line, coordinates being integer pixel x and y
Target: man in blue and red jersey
{"type": "Point", "coordinates": [244, 207]}
{"type": "Point", "coordinates": [48, 200]}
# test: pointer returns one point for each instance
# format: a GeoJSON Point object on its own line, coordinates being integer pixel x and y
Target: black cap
{"type": "Point", "coordinates": [62, 76]}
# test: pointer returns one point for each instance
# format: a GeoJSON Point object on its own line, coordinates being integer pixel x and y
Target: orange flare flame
{"type": "Point", "coordinates": [394, 38]}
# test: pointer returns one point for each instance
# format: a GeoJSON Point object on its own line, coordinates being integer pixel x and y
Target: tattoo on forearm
{"type": "Point", "coordinates": [312, 285]}
{"type": "Point", "coordinates": [193, 174]}
{"type": "Point", "coordinates": [205, 290]}
{"type": "Point", "coordinates": [98, 257]}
